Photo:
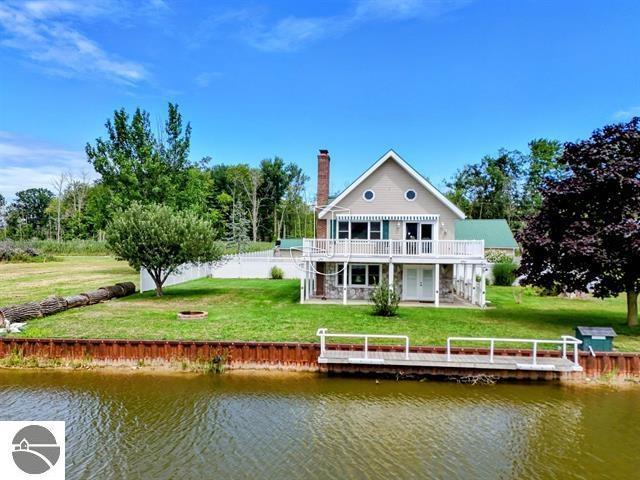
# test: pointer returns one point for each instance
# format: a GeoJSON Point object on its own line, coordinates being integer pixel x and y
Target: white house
{"type": "Point", "coordinates": [390, 223]}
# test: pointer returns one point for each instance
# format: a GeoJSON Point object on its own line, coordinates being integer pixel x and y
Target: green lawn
{"type": "Point", "coordinates": [268, 310]}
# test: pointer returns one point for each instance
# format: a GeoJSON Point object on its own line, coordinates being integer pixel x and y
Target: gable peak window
{"type": "Point", "coordinates": [410, 195]}
{"type": "Point", "coordinates": [369, 195]}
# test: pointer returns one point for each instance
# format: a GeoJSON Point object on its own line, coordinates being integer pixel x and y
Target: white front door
{"type": "Point", "coordinates": [418, 283]}
{"type": "Point", "coordinates": [410, 288]}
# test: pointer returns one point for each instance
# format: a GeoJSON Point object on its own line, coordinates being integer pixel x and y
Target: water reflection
{"type": "Point", "coordinates": [290, 426]}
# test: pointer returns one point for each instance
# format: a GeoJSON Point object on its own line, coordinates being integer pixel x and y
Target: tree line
{"type": "Point", "coordinates": [507, 185]}
{"type": "Point", "coordinates": [243, 203]}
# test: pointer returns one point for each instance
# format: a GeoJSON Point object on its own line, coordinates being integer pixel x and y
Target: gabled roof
{"type": "Point", "coordinates": [495, 232]}
{"type": "Point", "coordinates": [408, 168]}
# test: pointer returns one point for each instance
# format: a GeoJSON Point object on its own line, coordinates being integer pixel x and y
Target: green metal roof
{"type": "Point", "coordinates": [287, 243]}
{"type": "Point", "coordinates": [495, 232]}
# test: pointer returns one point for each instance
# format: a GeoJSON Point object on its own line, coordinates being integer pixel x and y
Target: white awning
{"type": "Point", "coordinates": [370, 217]}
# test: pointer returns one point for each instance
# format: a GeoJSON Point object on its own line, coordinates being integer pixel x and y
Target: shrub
{"type": "Point", "coordinates": [385, 300]}
{"type": "Point", "coordinates": [277, 273]}
{"type": "Point", "coordinates": [504, 274]}
{"type": "Point", "coordinates": [495, 256]}
{"type": "Point", "coordinates": [10, 252]}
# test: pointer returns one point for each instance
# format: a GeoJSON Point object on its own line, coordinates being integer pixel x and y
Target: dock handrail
{"type": "Point", "coordinates": [565, 340]}
{"type": "Point", "coordinates": [323, 334]}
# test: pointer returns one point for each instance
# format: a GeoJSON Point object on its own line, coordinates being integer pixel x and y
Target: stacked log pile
{"type": "Point", "coordinates": [54, 304]}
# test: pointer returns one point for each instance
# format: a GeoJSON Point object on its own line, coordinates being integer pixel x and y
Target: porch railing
{"type": "Point", "coordinates": [323, 247]}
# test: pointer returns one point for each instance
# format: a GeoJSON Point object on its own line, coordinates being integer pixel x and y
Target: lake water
{"type": "Point", "coordinates": [130, 426]}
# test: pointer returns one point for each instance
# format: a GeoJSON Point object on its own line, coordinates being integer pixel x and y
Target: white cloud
{"type": "Point", "coordinates": [627, 114]}
{"type": "Point", "coordinates": [48, 8]}
{"type": "Point", "coordinates": [393, 10]}
{"type": "Point", "coordinates": [204, 79]}
{"type": "Point", "coordinates": [29, 163]}
{"type": "Point", "coordinates": [292, 32]}
{"type": "Point", "coordinates": [44, 31]}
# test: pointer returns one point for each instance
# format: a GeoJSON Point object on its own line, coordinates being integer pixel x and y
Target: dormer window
{"type": "Point", "coordinates": [410, 195]}
{"type": "Point", "coordinates": [369, 195]}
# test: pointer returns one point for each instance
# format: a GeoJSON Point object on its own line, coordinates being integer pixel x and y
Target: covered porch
{"type": "Point", "coordinates": [418, 284]}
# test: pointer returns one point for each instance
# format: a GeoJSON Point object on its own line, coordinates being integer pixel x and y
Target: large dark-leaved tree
{"type": "Point", "coordinates": [587, 232]}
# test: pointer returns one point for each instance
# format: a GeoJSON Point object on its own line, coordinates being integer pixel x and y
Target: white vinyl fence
{"type": "Point", "coordinates": [245, 265]}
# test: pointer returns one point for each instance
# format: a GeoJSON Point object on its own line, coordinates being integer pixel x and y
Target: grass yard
{"type": "Point", "coordinates": [22, 282]}
{"type": "Point", "coordinates": [268, 310]}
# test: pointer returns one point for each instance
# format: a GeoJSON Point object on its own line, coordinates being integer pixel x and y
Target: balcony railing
{"type": "Point", "coordinates": [322, 247]}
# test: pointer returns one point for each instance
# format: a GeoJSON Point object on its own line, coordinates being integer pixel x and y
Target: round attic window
{"type": "Point", "coordinates": [410, 195]}
{"type": "Point", "coordinates": [369, 195]}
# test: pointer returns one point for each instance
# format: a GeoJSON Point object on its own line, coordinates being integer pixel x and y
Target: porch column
{"type": "Point", "coordinates": [474, 298]}
{"type": "Point", "coordinates": [483, 284]}
{"type": "Point", "coordinates": [455, 278]}
{"type": "Point", "coordinates": [303, 281]}
{"type": "Point", "coordinates": [344, 283]}
{"type": "Point", "coordinates": [436, 281]}
{"type": "Point", "coordinates": [390, 277]}
{"type": "Point", "coordinates": [465, 290]}
{"type": "Point", "coordinates": [307, 275]}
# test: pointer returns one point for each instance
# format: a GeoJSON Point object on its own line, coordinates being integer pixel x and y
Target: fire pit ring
{"type": "Point", "coordinates": [192, 315]}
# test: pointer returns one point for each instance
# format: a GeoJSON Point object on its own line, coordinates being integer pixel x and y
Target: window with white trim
{"type": "Point", "coordinates": [343, 230]}
{"type": "Point", "coordinates": [368, 195]}
{"type": "Point", "coordinates": [359, 230]}
{"type": "Point", "coordinates": [375, 230]}
{"type": "Point", "coordinates": [410, 195]}
{"type": "Point", "coordinates": [360, 275]}
{"type": "Point", "coordinates": [373, 274]}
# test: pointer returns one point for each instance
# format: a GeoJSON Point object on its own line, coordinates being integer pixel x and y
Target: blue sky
{"type": "Point", "coordinates": [443, 82]}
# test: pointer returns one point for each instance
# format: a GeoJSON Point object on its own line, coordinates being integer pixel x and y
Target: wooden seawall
{"type": "Point", "coordinates": [289, 356]}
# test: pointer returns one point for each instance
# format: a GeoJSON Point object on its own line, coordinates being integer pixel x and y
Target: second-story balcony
{"type": "Point", "coordinates": [322, 249]}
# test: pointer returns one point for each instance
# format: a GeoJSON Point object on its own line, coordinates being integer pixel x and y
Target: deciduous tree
{"type": "Point", "coordinates": [587, 232]}
{"type": "Point", "coordinates": [161, 239]}
{"type": "Point", "coordinates": [136, 165]}
{"type": "Point", "coordinates": [27, 214]}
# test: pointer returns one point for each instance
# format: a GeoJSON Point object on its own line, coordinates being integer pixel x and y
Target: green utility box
{"type": "Point", "coordinates": [600, 339]}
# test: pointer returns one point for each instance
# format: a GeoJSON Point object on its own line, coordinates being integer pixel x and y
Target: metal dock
{"type": "Point", "coordinates": [450, 359]}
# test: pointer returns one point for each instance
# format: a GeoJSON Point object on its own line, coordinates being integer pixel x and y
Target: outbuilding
{"type": "Point", "coordinates": [600, 339]}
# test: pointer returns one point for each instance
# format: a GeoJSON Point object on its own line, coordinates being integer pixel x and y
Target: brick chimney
{"type": "Point", "coordinates": [322, 198]}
